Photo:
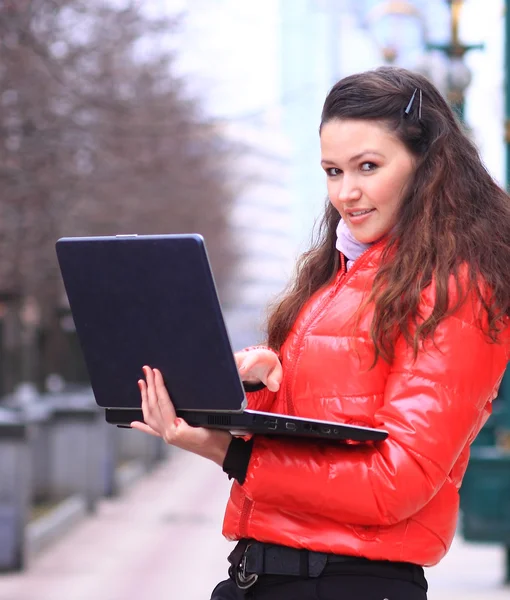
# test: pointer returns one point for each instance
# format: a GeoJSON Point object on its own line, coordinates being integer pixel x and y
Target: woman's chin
{"type": "Point", "coordinates": [365, 238]}
{"type": "Point", "coordinates": [368, 235]}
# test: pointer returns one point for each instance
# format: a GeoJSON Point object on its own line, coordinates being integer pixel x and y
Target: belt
{"type": "Point", "coordinates": [249, 559]}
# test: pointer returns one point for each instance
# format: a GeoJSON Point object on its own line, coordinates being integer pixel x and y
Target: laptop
{"type": "Point", "coordinates": [151, 300]}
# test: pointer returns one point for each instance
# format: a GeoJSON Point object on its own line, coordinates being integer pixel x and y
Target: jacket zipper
{"type": "Point", "coordinates": [304, 330]}
{"type": "Point", "coordinates": [243, 519]}
{"type": "Point", "coordinates": [313, 318]}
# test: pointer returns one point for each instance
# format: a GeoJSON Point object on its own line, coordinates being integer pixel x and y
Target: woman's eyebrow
{"type": "Point", "coordinates": [326, 162]}
{"type": "Point", "coordinates": [360, 154]}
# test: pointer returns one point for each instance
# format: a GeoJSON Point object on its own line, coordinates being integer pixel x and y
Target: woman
{"type": "Point", "coordinates": [398, 318]}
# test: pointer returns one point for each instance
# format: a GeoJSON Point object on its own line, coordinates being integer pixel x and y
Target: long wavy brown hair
{"type": "Point", "coordinates": [452, 214]}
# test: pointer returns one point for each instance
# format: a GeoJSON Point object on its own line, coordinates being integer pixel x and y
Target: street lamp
{"type": "Point", "coordinates": [396, 25]}
{"type": "Point", "coordinates": [458, 75]}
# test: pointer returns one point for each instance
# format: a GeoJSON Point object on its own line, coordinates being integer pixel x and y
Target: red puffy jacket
{"type": "Point", "coordinates": [395, 500]}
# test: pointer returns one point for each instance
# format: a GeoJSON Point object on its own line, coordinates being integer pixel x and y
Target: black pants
{"type": "Point", "coordinates": [325, 587]}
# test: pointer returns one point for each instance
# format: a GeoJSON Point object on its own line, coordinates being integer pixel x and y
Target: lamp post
{"type": "Point", "coordinates": [458, 75]}
{"type": "Point", "coordinates": [389, 21]}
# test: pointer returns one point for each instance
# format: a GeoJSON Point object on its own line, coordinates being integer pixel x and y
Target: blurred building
{"type": "Point", "coordinates": [229, 54]}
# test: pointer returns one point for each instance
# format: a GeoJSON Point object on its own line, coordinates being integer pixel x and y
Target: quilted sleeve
{"type": "Point", "coordinates": [261, 400]}
{"type": "Point", "coordinates": [432, 408]}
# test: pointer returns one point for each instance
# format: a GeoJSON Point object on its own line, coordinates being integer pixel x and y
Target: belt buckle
{"type": "Point", "coordinates": [243, 580]}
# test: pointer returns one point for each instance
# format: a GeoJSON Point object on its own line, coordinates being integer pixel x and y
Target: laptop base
{"type": "Point", "coordinates": [254, 422]}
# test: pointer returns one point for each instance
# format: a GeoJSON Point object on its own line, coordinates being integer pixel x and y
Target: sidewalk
{"type": "Point", "coordinates": [469, 572]}
{"type": "Point", "coordinates": [147, 543]}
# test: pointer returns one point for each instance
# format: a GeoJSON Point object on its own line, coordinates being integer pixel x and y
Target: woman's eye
{"type": "Point", "coordinates": [368, 166]}
{"type": "Point", "coordinates": [332, 172]}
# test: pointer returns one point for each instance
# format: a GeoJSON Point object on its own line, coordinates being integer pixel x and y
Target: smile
{"type": "Point", "coordinates": [358, 213]}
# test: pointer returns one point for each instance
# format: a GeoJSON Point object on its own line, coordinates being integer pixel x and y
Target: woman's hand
{"type": "Point", "coordinates": [161, 420]}
{"type": "Point", "coordinates": [260, 364]}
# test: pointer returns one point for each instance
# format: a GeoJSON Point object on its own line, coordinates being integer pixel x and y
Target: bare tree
{"type": "Point", "coordinates": [98, 138]}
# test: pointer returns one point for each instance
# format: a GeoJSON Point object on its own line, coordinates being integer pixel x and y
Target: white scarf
{"type": "Point", "coordinates": [348, 245]}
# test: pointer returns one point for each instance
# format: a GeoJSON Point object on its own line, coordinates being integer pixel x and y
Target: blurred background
{"type": "Point", "coordinates": [164, 116]}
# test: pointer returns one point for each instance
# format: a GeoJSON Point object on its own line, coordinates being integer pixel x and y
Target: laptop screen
{"type": "Point", "coordinates": [150, 300]}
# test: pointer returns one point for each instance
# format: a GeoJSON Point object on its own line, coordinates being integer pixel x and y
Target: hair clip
{"type": "Point", "coordinates": [410, 105]}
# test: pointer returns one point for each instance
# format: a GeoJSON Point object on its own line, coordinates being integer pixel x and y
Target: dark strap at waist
{"type": "Point", "coordinates": [256, 558]}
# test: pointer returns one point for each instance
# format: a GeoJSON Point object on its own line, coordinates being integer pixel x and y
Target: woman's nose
{"type": "Point", "coordinates": [348, 190]}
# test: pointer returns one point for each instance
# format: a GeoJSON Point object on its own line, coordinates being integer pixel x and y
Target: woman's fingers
{"type": "Point", "coordinates": [145, 399]}
{"type": "Point", "coordinates": [158, 410]}
{"type": "Point", "coordinates": [144, 427]}
{"type": "Point", "coordinates": [262, 365]}
{"type": "Point", "coordinates": [150, 407]}
{"type": "Point", "coordinates": [274, 377]}
{"type": "Point", "coordinates": [165, 403]}
{"type": "Point", "coordinates": [247, 362]}
{"type": "Point", "coordinates": [150, 393]}
{"type": "Point", "coordinates": [239, 358]}
{"type": "Point", "coordinates": [256, 365]}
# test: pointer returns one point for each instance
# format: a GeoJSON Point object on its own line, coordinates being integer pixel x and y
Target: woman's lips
{"type": "Point", "coordinates": [359, 216]}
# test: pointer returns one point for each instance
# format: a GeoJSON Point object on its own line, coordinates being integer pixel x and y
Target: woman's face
{"type": "Point", "coordinates": [367, 169]}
